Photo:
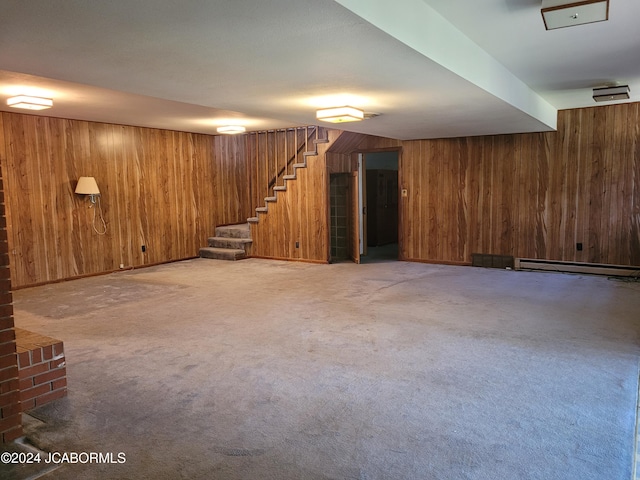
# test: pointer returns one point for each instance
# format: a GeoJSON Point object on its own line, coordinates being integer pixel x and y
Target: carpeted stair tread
{"type": "Point", "coordinates": [217, 253]}
{"type": "Point", "coordinates": [240, 230]}
{"type": "Point", "coordinates": [228, 242]}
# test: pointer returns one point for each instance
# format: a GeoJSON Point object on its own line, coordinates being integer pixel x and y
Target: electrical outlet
{"type": "Point", "coordinates": [297, 244]}
{"type": "Point", "coordinates": [144, 248]}
{"type": "Point", "coordinates": [121, 266]}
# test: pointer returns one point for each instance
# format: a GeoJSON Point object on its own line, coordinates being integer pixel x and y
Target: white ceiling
{"type": "Point", "coordinates": [430, 68]}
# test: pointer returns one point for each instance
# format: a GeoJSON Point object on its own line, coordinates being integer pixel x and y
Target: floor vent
{"type": "Point", "coordinates": [492, 261]}
{"type": "Point", "coordinates": [577, 267]}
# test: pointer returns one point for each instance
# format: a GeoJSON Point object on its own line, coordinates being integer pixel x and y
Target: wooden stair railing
{"type": "Point", "coordinates": [278, 171]}
{"type": "Point", "coordinates": [284, 170]}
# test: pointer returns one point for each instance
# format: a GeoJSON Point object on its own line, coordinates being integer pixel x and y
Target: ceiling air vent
{"type": "Point", "coordinates": [608, 94]}
{"type": "Point", "coordinates": [563, 13]}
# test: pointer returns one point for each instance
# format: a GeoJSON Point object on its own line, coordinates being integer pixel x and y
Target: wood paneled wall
{"type": "Point", "coordinates": [162, 189]}
{"type": "Point", "coordinates": [300, 214]}
{"type": "Point", "coordinates": [528, 195]}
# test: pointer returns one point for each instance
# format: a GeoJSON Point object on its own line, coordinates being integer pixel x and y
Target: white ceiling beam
{"type": "Point", "coordinates": [423, 29]}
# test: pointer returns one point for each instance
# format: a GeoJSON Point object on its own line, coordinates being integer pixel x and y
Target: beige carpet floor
{"type": "Point", "coordinates": [272, 370]}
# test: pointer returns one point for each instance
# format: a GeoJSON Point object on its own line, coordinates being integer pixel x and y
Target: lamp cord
{"type": "Point", "coordinates": [103, 230]}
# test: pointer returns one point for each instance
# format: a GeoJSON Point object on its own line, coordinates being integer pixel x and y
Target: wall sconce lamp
{"type": "Point", "coordinates": [88, 186]}
{"type": "Point", "coordinates": [29, 102]}
{"type": "Point", "coordinates": [340, 114]}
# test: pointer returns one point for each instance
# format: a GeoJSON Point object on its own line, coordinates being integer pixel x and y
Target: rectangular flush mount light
{"type": "Point", "coordinates": [340, 114]}
{"type": "Point", "coordinates": [608, 94]}
{"type": "Point", "coordinates": [563, 13]}
{"type": "Point", "coordinates": [231, 129]}
{"type": "Point", "coordinates": [29, 102]}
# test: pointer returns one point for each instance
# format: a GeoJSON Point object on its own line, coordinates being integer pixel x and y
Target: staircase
{"type": "Point", "coordinates": [276, 155]}
{"type": "Point", "coordinates": [278, 182]}
{"type": "Point", "coordinates": [229, 243]}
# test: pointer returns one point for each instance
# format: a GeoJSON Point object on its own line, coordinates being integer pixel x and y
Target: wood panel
{"type": "Point", "coordinates": [162, 189]}
{"type": "Point", "coordinates": [300, 215]}
{"type": "Point", "coordinates": [530, 195]}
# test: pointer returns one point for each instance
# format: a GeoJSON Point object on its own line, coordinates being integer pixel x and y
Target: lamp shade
{"type": "Point", "coordinates": [87, 186]}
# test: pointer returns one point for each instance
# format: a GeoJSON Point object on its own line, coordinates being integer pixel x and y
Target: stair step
{"type": "Point", "coordinates": [262, 209]}
{"type": "Point", "coordinates": [253, 219]}
{"type": "Point", "coordinates": [299, 165]}
{"type": "Point", "coordinates": [321, 140]}
{"type": "Point", "coordinates": [229, 242]}
{"type": "Point", "coordinates": [222, 253]}
{"type": "Point", "coordinates": [289, 177]}
{"type": "Point", "coordinates": [280, 188]}
{"type": "Point", "coordinates": [240, 230]}
{"type": "Point", "coordinates": [309, 154]}
{"type": "Point", "coordinates": [270, 199]}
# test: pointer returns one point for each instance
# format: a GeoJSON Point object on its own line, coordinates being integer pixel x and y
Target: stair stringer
{"type": "Point", "coordinates": [294, 223]}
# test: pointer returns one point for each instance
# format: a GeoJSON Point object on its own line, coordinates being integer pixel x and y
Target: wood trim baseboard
{"type": "Point", "coordinates": [98, 274]}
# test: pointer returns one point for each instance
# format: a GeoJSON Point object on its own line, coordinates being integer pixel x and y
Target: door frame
{"type": "Point", "coordinates": [361, 154]}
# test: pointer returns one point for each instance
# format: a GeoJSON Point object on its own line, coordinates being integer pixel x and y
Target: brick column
{"type": "Point", "coordinates": [10, 410]}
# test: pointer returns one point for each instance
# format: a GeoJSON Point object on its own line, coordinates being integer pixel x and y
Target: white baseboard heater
{"type": "Point", "coordinates": [576, 267]}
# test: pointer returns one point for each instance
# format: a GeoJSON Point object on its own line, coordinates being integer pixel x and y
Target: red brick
{"type": "Point", "coordinates": [9, 398]}
{"type": "Point", "coordinates": [36, 355]}
{"type": "Point", "coordinates": [25, 383]}
{"type": "Point", "coordinates": [5, 272]}
{"type": "Point", "coordinates": [48, 397]}
{"type": "Point", "coordinates": [10, 422]}
{"type": "Point", "coordinates": [5, 285]}
{"type": "Point", "coordinates": [10, 410]}
{"type": "Point", "coordinates": [7, 348]}
{"type": "Point", "coordinates": [58, 349]}
{"type": "Point", "coordinates": [13, 434]}
{"type": "Point", "coordinates": [8, 361]}
{"type": "Point", "coordinates": [7, 335]}
{"type": "Point", "coordinates": [7, 375]}
{"type": "Point", "coordinates": [6, 322]}
{"type": "Point", "coordinates": [34, 370]}
{"type": "Point", "coordinates": [9, 385]}
{"type": "Point", "coordinates": [49, 376]}
{"type": "Point", "coordinates": [24, 360]}
{"type": "Point", "coordinates": [47, 352]}
{"type": "Point", "coordinates": [60, 383]}
{"type": "Point", "coordinates": [35, 391]}
{"type": "Point", "coordinates": [5, 298]}
{"type": "Point", "coordinates": [6, 310]}
{"type": "Point", "coordinates": [55, 364]}
{"type": "Point", "coordinates": [27, 405]}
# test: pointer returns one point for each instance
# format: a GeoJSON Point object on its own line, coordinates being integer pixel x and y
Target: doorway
{"type": "Point", "coordinates": [380, 171]}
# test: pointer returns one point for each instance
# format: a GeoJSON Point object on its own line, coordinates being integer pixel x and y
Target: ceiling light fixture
{"type": "Point", "coordinates": [29, 102]}
{"type": "Point", "coordinates": [232, 129]}
{"type": "Point", "coordinates": [340, 114]}
{"type": "Point", "coordinates": [563, 13]}
{"type": "Point", "coordinates": [608, 94]}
